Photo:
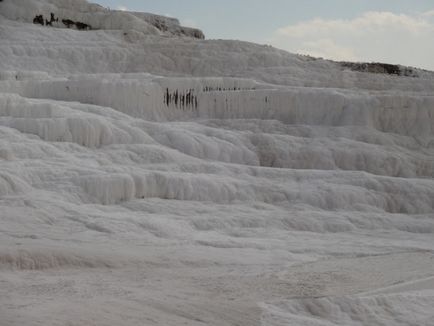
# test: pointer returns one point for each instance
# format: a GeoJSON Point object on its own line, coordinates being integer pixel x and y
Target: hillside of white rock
{"type": "Point", "coordinates": [151, 177]}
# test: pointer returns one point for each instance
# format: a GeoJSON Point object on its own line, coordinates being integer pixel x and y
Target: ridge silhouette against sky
{"type": "Point", "coordinates": [398, 31]}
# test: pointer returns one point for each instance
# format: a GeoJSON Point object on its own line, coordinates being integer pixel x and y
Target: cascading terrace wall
{"type": "Point", "coordinates": [154, 99]}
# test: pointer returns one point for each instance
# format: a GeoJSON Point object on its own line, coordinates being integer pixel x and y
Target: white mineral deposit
{"type": "Point", "coordinates": [151, 177]}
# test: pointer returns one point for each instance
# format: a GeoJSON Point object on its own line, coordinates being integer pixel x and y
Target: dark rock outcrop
{"type": "Point", "coordinates": [39, 20]}
{"type": "Point", "coordinates": [68, 23]}
{"type": "Point", "coordinates": [82, 26]}
{"type": "Point", "coordinates": [79, 25]}
{"type": "Point", "coordinates": [380, 68]}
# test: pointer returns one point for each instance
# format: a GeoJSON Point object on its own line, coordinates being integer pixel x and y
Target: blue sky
{"type": "Point", "coordinates": [349, 29]}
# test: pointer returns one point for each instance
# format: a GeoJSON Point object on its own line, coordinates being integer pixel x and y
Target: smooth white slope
{"type": "Point", "coordinates": [111, 51]}
{"type": "Point", "coordinates": [292, 193]}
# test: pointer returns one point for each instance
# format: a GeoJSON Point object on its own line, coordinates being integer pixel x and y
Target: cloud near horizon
{"type": "Point", "coordinates": [122, 8]}
{"type": "Point", "coordinates": [372, 36]}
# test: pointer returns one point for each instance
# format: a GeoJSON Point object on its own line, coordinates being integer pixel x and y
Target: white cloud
{"type": "Point", "coordinates": [429, 13]}
{"type": "Point", "coordinates": [373, 36]}
{"type": "Point", "coordinates": [122, 8]}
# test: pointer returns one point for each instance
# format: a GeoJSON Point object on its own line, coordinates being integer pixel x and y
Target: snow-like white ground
{"type": "Point", "coordinates": [147, 179]}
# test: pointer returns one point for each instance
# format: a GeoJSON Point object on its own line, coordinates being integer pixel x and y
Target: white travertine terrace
{"type": "Point", "coordinates": [150, 177]}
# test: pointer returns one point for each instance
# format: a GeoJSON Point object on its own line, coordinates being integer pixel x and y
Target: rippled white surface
{"type": "Point", "coordinates": [281, 191]}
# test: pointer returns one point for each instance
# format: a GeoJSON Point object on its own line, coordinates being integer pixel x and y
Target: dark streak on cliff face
{"type": "Point", "coordinates": [183, 100]}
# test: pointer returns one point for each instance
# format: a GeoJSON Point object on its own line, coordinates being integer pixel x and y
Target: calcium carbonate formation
{"type": "Point", "coordinates": [150, 176]}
